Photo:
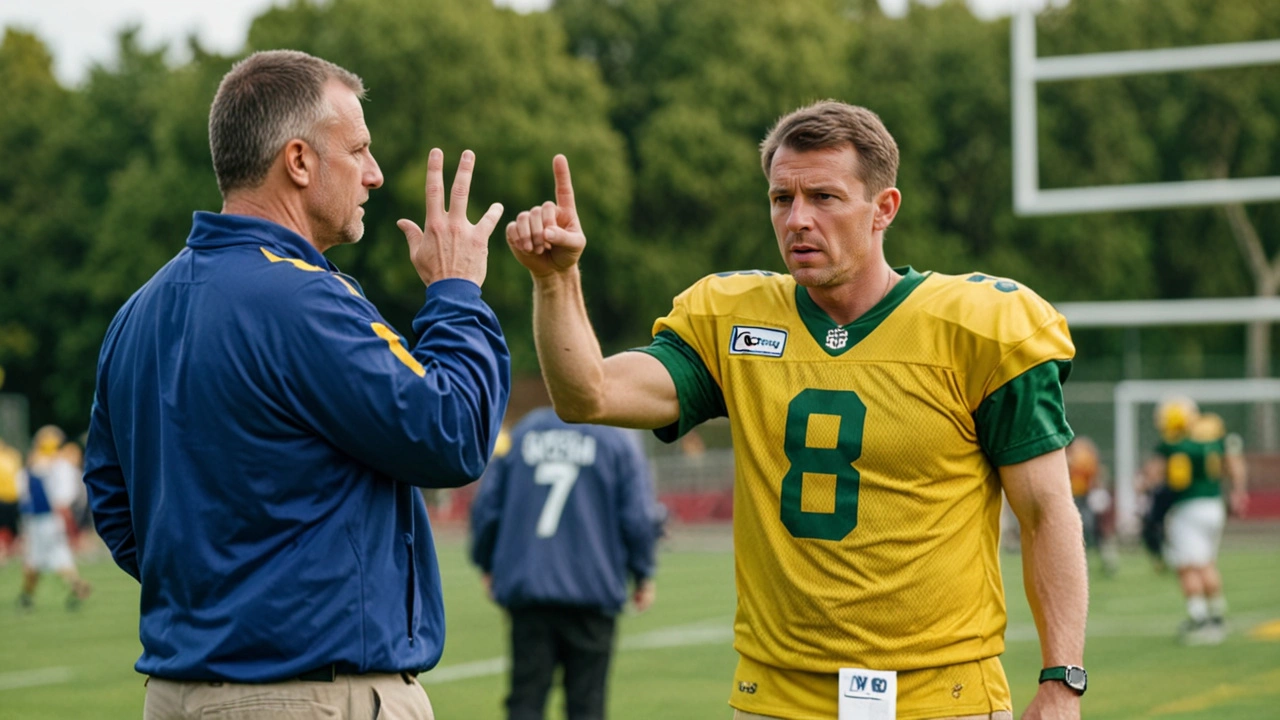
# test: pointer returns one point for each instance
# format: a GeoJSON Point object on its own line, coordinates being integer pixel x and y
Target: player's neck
{"type": "Point", "coordinates": [848, 301]}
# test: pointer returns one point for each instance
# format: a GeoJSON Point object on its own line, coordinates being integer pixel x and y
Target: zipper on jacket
{"type": "Point", "coordinates": [411, 597]}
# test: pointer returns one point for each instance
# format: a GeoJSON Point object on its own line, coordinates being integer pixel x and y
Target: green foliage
{"type": "Point", "coordinates": [456, 75]}
{"type": "Point", "coordinates": [660, 106]}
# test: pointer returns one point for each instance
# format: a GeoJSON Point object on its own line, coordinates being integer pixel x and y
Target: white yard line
{"type": "Point", "coordinates": [706, 632]}
{"type": "Point", "coordinates": [34, 678]}
{"type": "Point", "coordinates": [465, 671]}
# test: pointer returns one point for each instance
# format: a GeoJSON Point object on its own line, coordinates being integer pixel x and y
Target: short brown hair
{"type": "Point", "coordinates": [830, 123]}
{"type": "Point", "coordinates": [263, 102]}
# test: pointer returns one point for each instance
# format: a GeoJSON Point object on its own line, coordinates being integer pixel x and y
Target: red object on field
{"type": "Point", "coordinates": [1263, 505]}
{"type": "Point", "coordinates": [454, 506]}
{"type": "Point", "coordinates": [699, 507]}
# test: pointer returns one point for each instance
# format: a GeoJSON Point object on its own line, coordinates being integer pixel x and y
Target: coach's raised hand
{"type": "Point", "coordinates": [448, 245]}
{"type": "Point", "coordinates": [548, 238]}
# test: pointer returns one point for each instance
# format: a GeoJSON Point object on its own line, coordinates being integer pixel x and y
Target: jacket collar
{"type": "Point", "coordinates": [217, 230]}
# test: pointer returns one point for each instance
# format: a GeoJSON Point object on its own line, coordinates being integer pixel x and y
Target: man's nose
{"type": "Point", "coordinates": [373, 174]}
{"type": "Point", "coordinates": [799, 218]}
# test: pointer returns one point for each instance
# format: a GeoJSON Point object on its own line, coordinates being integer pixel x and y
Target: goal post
{"type": "Point", "coordinates": [1028, 71]}
{"type": "Point", "coordinates": [1128, 394]}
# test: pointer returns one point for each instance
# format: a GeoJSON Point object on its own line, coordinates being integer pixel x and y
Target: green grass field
{"type": "Point", "coordinates": [676, 661]}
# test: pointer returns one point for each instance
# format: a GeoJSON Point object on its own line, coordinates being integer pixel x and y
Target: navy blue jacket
{"type": "Point", "coordinates": [565, 516]}
{"type": "Point", "coordinates": [256, 436]}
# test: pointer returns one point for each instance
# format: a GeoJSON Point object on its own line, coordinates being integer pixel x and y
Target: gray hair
{"type": "Point", "coordinates": [263, 102]}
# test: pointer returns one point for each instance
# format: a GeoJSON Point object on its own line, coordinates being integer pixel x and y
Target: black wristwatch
{"type": "Point", "coordinates": [1073, 676]}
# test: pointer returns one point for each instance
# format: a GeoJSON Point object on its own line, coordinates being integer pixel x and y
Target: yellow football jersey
{"type": "Point", "coordinates": [866, 501]}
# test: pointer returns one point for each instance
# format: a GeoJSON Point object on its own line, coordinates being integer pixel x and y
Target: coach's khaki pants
{"type": "Point", "coordinates": [997, 715]}
{"type": "Point", "coordinates": [348, 697]}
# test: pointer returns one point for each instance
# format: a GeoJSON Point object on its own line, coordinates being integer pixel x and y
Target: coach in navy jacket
{"type": "Point", "coordinates": [259, 432]}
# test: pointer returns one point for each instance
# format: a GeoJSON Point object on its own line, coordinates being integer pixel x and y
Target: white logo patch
{"type": "Point", "coordinates": [757, 341]}
{"type": "Point", "coordinates": [837, 337]}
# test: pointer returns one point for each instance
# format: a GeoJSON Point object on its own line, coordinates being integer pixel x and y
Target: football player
{"type": "Point", "coordinates": [877, 414]}
{"type": "Point", "coordinates": [1192, 460]}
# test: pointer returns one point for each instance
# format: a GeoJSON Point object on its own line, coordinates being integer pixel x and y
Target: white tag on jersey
{"type": "Point", "coordinates": [757, 341]}
{"type": "Point", "coordinates": [868, 694]}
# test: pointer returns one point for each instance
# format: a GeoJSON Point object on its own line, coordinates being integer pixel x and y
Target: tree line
{"type": "Point", "coordinates": [660, 106]}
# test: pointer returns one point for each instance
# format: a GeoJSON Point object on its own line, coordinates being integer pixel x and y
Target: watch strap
{"type": "Point", "coordinates": [1077, 680]}
{"type": "Point", "coordinates": [1054, 673]}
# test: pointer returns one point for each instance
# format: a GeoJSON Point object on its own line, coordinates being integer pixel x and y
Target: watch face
{"type": "Point", "coordinates": [1076, 677]}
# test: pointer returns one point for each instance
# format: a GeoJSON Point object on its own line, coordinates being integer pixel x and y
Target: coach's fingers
{"type": "Point", "coordinates": [489, 220]}
{"type": "Point", "coordinates": [412, 233]}
{"type": "Point", "coordinates": [462, 186]}
{"type": "Point", "coordinates": [435, 184]}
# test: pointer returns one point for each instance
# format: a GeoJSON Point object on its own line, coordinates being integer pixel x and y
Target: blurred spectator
{"type": "Point", "coordinates": [1093, 500]}
{"type": "Point", "coordinates": [78, 516]}
{"type": "Point", "coordinates": [692, 446]}
{"type": "Point", "coordinates": [559, 523]}
{"type": "Point", "coordinates": [10, 466]}
{"type": "Point", "coordinates": [47, 487]}
{"type": "Point", "coordinates": [1194, 456]}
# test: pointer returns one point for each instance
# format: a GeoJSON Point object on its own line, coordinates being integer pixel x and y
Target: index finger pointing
{"type": "Point", "coordinates": [564, 183]}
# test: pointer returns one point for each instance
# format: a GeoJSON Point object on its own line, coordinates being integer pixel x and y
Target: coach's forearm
{"type": "Point", "coordinates": [568, 351]}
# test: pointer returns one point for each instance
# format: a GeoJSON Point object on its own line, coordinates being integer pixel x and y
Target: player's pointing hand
{"type": "Point", "coordinates": [548, 238]}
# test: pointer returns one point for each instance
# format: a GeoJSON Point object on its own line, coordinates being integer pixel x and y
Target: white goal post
{"type": "Point", "coordinates": [1028, 70]}
{"type": "Point", "coordinates": [1129, 394]}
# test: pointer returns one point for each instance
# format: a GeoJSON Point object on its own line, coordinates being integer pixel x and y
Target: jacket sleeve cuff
{"type": "Point", "coordinates": [453, 287]}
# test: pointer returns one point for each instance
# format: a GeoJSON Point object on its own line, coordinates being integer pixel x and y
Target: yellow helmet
{"type": "Point", "coordinates": [48, 440]}
{"type": "Point", "coordinates": [1082, 456]}
{"type": "Point", "coordinates": [1175, 416]}
{"type": "Point", "coordinates": [1208, 427]}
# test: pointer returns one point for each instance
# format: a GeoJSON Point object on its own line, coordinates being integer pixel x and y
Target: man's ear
{"type": "Point", "coordinates": [887, 202]}
{"type": "Point", "coordinates": [299, 162]}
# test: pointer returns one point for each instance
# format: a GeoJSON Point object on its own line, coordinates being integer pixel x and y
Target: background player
{"type": "Point", "coordinates": [10, 466]}
{"type": "Point", "coordinates": [560, 522]}
{"type": "Point", "coordinates": [876, 413]}
{"type": "Point", "coordinates": [47, 489]}
{"type": "Point", "coordinates": [1193, 458]}
{"type": "Point", "coordinates": [1093, 500]}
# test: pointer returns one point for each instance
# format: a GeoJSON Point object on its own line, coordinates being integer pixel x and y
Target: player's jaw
{"type": "Point", "coordinates": [807, 259]}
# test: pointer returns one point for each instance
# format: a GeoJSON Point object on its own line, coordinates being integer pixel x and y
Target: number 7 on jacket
{"type": "Point", "coordinates": [560, 476]}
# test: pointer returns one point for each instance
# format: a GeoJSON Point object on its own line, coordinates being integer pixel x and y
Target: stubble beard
{"type": "Point", "coordinates": [352, 232]}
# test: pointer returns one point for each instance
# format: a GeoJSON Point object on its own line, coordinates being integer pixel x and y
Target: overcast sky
{"type": "Point", "coordinates": [82, 32]}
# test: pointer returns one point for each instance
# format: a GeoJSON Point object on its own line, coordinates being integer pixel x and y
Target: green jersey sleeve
{"type": "Point", "coordinates": [700, 397]}
{"type": "Point", "coordinates": [1025, 417]}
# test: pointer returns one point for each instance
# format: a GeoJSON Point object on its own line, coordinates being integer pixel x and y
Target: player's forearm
{"type": "Point", "coordinates": [568, 351]}
{"type": "Point", "coordinates": [1057, 583]}
{"type": "Point", "coordinates": [1237, 468]}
